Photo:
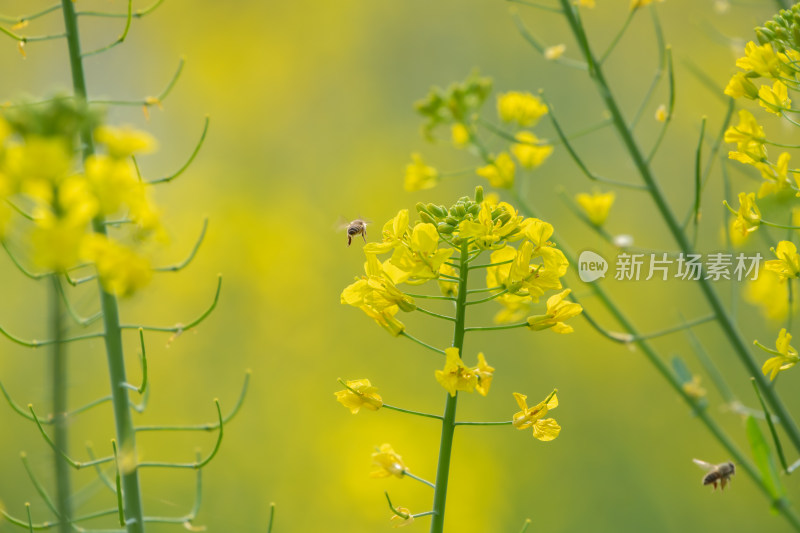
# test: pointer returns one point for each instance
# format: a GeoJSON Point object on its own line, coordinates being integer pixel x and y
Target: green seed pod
{"type": "Point", "coordinates": [445, 228]}
{"type": "Point", "coordinates": [425, 217]}
{"type": "Point", "coordinates": [479, 194]}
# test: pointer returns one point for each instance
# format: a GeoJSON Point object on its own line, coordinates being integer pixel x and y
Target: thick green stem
{"type": "Point", "coordinates": [449, 417]}
{"type": "Point", "coordinates": [126, 435]}
{"type": "Point", "coordinates": [58, 385]}
{"type": "Point", "coordinates": [741, 348]}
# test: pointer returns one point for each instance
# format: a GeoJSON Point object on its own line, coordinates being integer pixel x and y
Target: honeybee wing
{"type": "Point", "coordinates": [341, 223]}
{"type": "Point", "coordinates": [708, 467]}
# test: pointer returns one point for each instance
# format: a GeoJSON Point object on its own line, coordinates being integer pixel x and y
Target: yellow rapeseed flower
{"type": "Point", "coordinates": [787, 264]}
{"type": "Point", "coordinates": [760, 59]}
{"type": "Point", "coordinates": [529, 152]}
{"type": "Point", "coordinates": [586, 3]}
{"type": "Point", "coordinates": [636, 4]}
{"type": "Point", "coordinates": [774, 99]}
{"type": "Point", "coordinates": [770, 293]}
{"type": "Point", "coordinates": [455, 376]}
{"type": "Point", "coordinates": [557, 312]}
{"type": "Point", "coordinates": [786, 356]}
{"type": "Point", "coordinates": [523, 108]}
{"type": "Point", "coordinates": [748, 218]}
{"type": "Point", "coordinates": [748, 136]}
{"type": "Point", "coordinates": [551, 53]}
{"type": "Point", "coordinates": [460, 135]}
{"type": "Point", "coordinates": [500, 172]}
{"type": "Point", "coordinates": [776, 177]}
{"type": "Point", "coordinates": [741, 86]}
{"type": "Point", "coordinates": [420, 176]}
{"type": "Point", "coordinates": [491, 233]}
{"type": "Point", "coordinates": [484, 373]}
{"type": "Point", "coordinates": [387, 463]}
{"type": "Point", "coordinates": [544, 429]}
{"type": "Point", "coordinates": [121, 270]}
{"type": "Point", "coordinates": [596, 206]}
{"type": "Point", "coordinates": [359, 393]}
{"type": "Point", "coordinates": [125, 141]}
{"type": "Point", "coordinates": [402, 522]}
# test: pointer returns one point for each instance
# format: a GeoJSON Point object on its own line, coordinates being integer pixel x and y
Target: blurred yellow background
{"type": "Point", "coordinates": [311, 119]}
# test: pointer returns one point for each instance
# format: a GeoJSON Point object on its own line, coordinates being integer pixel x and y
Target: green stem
{"type": "Point", "coordinates": [449, 417]}
{"type": "Point", "coordinates": [58, 368]}
{"type": "Point", "coordinates": [126, 435]}
{"type": "Point", "coordinates": [741, 348]}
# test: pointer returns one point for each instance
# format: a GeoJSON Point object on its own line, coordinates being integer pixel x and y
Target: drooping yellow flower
{"type": "Point", "coordinates": [359, 393]}
{"type": "Point", "coordinates": [523, 108]}
{"type": "Point", "coordinates": [484, 373]}
{"type": "Point", "coordinates": [551, 53]}
{"type": "Point", "coordinates": [786, 356]}
{"type": "Point", "coordinates": [544, 429]}
{"type": "Point", "coordinates": [557, 312]}
{"type": "Point", "coordinates": [774, 99]}
{"type": "Point", "coordinates": [460, 135]}
{"type": "Point", "coordinates": [787, 264]}
{"type": "Point", "coordinates": [455, 376]}
{"type": "Point", "coordinates": [377, 296]}
{"type": "Point", "coordinates": [741, 86]}
{"type": "Point", "coordinates": [402, 522]}
{"type": "Point", "coordinates": [420, 176]}
{"type": "Point", "coordinates": [121, 270]}
{"type": "Point", "coordinates": [596, 205]}
{"type": "Point", "coordinates": [748, 218]}
{"type": "Point", "coordinates": [529, 152]}
{"type": "Point", "coordinates": [387, 463]}
{"type": "Point", "coordinates": [123, 142]}
{"type": "Point", "coordinates": [760, 59]}
{"type": "Point", "coordinates": [500, 172]}
{"type": "Point", "coordinates": [748, 136]}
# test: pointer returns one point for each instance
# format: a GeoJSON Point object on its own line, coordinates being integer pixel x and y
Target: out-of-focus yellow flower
{"type": "Point", "coordinates": [770, 293]}
{"type": "Point", "coordinates": [57, 241]}
{"type": "Point", "coordinates": [484, 373]}
{"type": "Point", "coordinates": [774, 99]}
{"type": "Point", "coordinates": [387, 463]}
{"type": "Point", "coordinates": [661, 113]}
{"type": "Point", "coordinates": [500, 172]}
{"type": "Point", "coordinates": [523, 108]}
{"type": "Point", "coordinates": [693, 388]}
{"type": "Point", "coordinates": [741, 86]}
{"type": "Point", "coordinates": [787, 264]}
{"type": "Point", "coordinates": [121, 270]}
{"type": "Point", "coordinates": [748, 218]}
{"type": "Point", "coordinates": [544, 429]}
{"type": "Point", "coordinates": [760, 59]}
{"type": "Point", "coordinates": [786, 356]}
{"type": "Point", "coordinates": [123, 142]}
{"type": "Point", "coordinates": [514, 308]}
{"type": "Point", "coordinates": [448, 287]}
{"type": "Point", "coordinates": [586, 3]}
{"type": "Point", "coordinates": [420, 176]}
{"type": "Point", "coordinates": [636, 4]}
{"type": "Point", "coordinates": [402, 522]}
{"type": "Point", "coordinates": [596, 205]}
{"type": "Point", "coordinates": [357, 394]}
{"type": "Point", "coordinates": [38, 165]}
{"type": "Point", "coordinates": [551, 53]}
{"type": "Point", "coordinates": [528, 152]}
{"type": "Point", "coordinates": [460, 135]}
{"type": "Point", "coordinates": [557, 312]}
{"type": "Point", "coordinates": [455, 376]}
{"type": "Point", "coordinates": [489, 232]}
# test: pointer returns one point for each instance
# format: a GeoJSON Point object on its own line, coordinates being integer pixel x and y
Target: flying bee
{"type": "Point", "coordinates": [720, 473]}
{"type": "Point", "coordinates": [356, 227]}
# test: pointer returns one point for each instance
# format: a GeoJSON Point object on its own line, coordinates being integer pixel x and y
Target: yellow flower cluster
{"type": "Point", "coordinates": [38, 169]}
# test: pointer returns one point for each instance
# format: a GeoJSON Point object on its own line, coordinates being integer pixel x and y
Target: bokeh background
{"type": "Point", "coordinates": [311, 120]}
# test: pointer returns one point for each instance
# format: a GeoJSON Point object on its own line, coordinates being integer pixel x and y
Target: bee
{"type": "Point", "coordinates": [720, 473]}
{"type": "Point", "coordinates": [356, 227]}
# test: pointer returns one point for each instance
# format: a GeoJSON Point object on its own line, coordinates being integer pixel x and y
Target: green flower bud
{"type": "Point", "coordinates": [445, 228]}
{"type": "Point", "coordinates": [479, 194]}
{"type": "Point", "coordinates": [425, 217]}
